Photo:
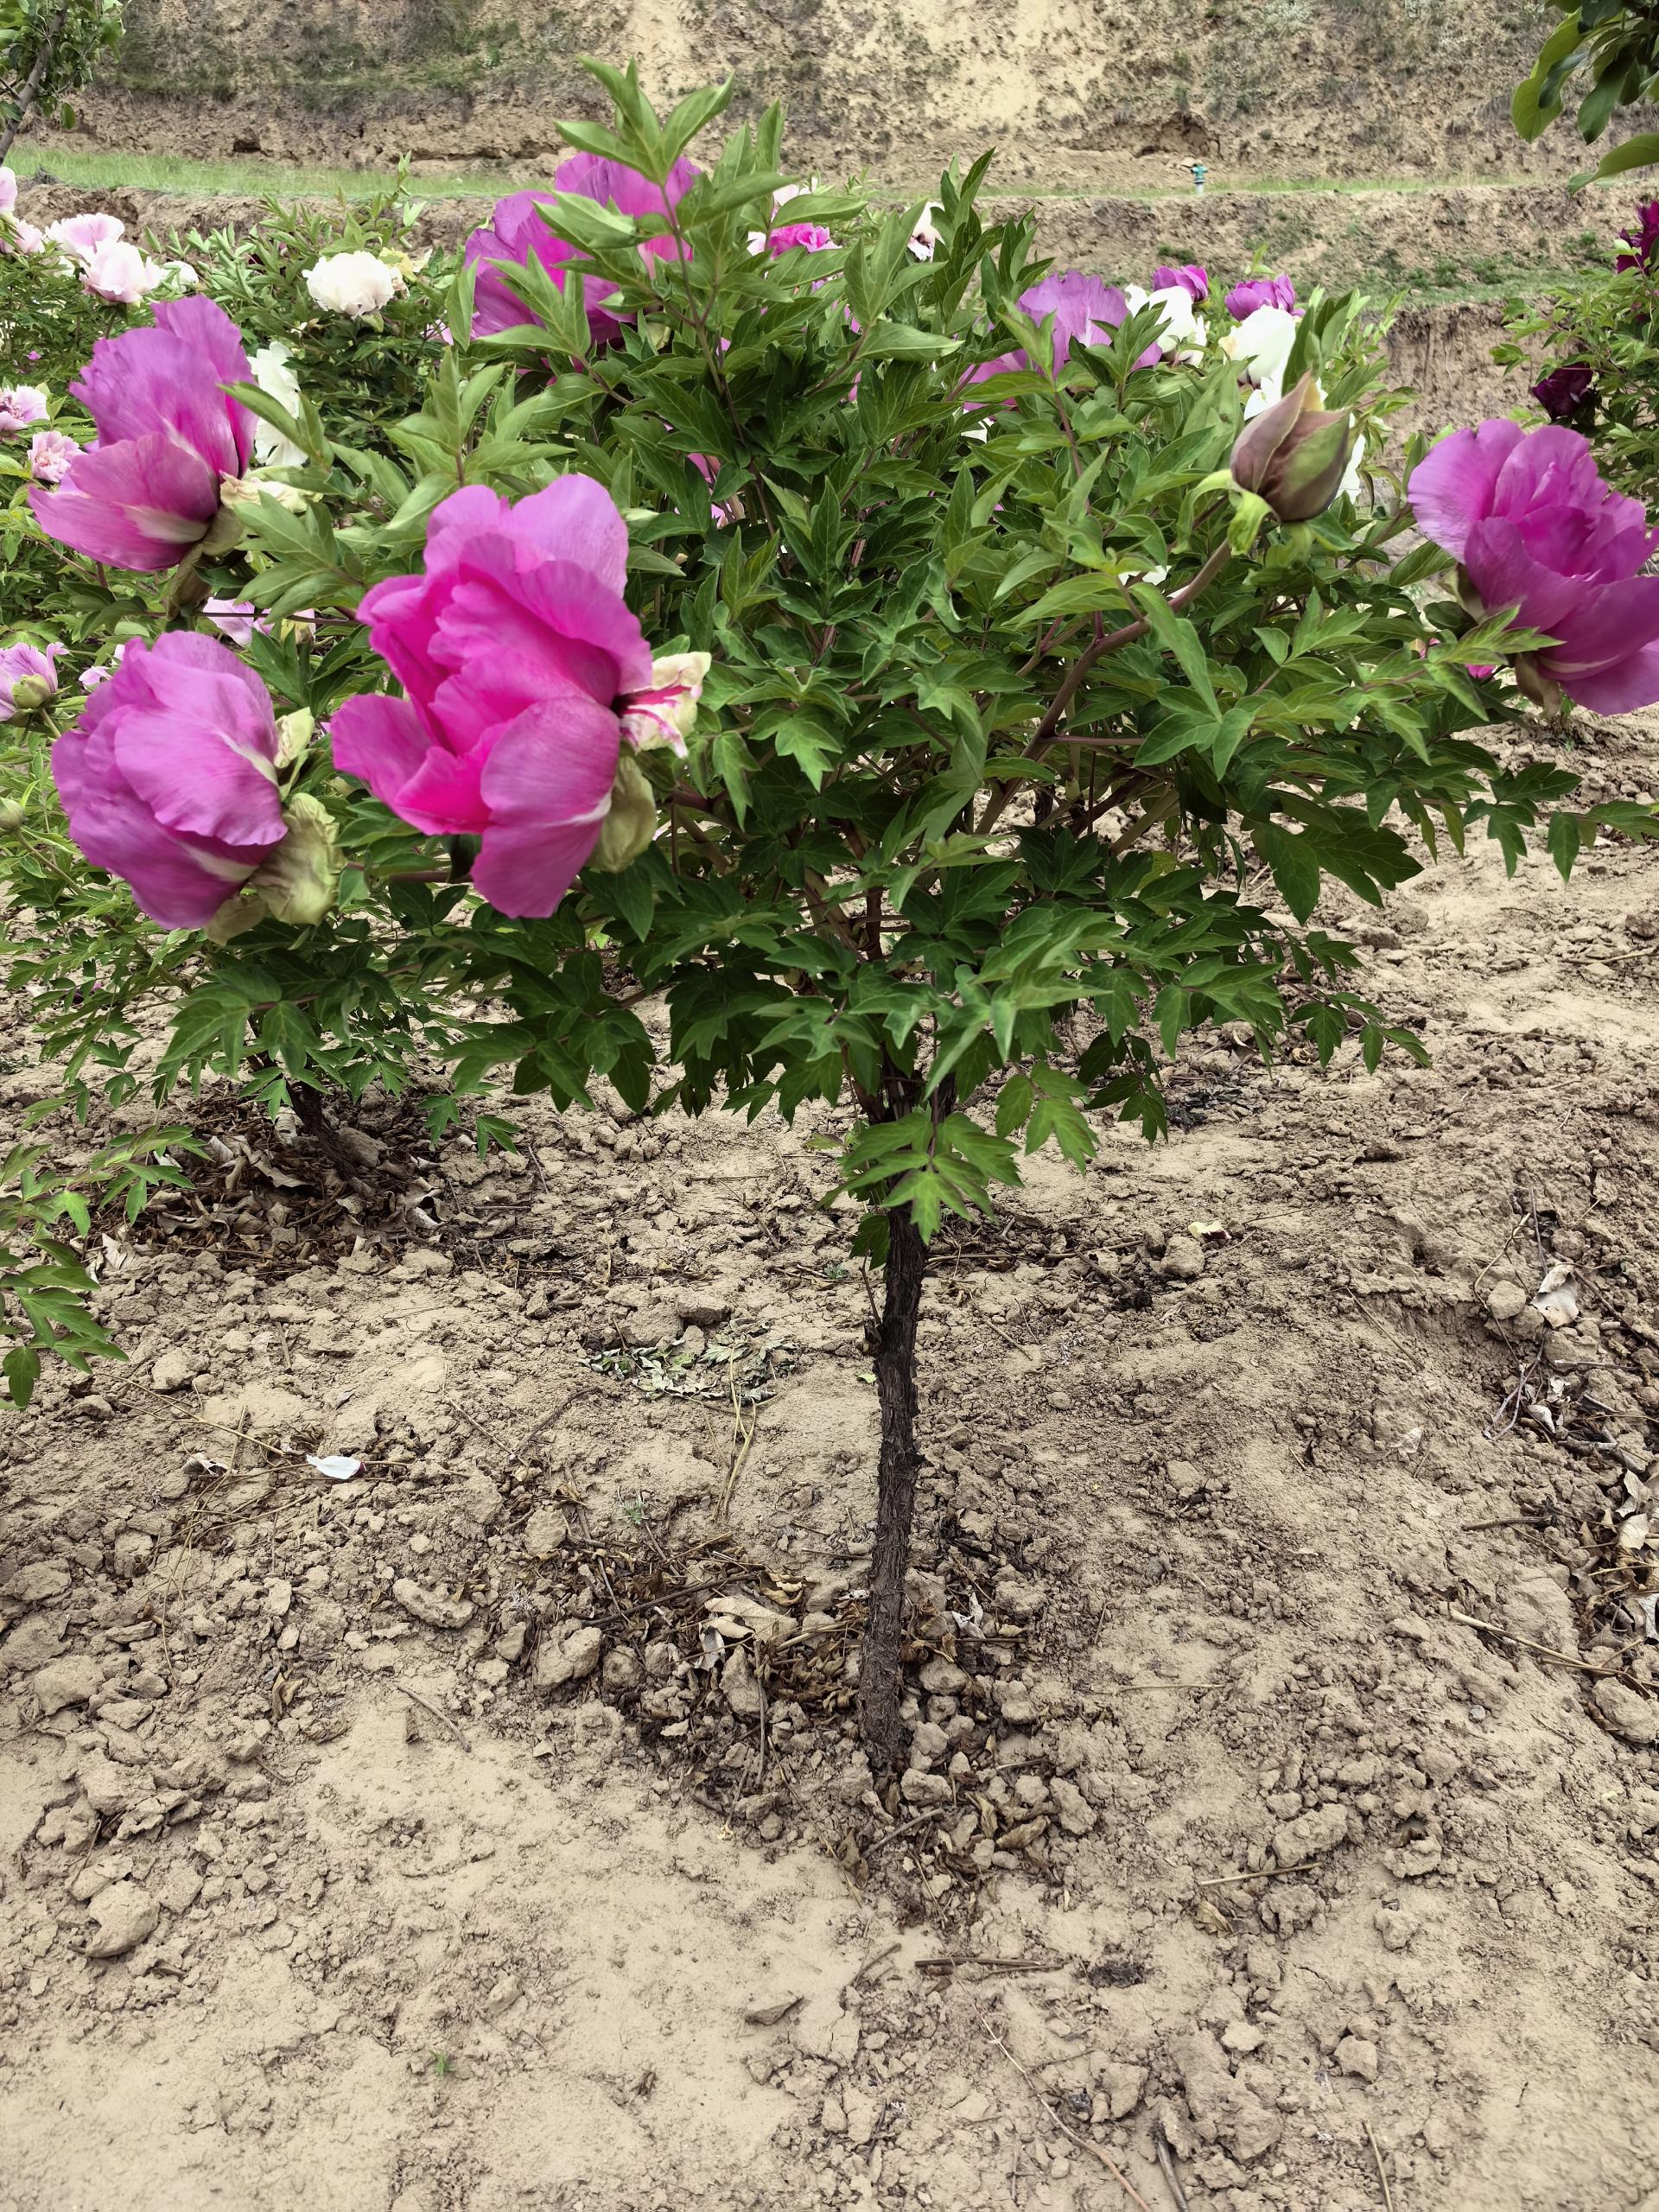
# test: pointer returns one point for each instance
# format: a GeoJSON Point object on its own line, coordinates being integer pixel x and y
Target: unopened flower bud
{"type": "Point", "coordinates": [29, 692]}
{"type": "Point", "coordinates": [242, 911]}
{"type": "Point", "coordinates": [294, 733]}
{"type": "Point", "coordinates": [300, 880]}
{"type": "Point", "coordinates": [12, 817]}
{"type": "Point", "coordinates": [632, 820]}
{"type": "Point", "coordinates": [1294, 454]}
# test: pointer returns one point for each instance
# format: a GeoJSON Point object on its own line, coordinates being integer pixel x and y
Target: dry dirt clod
{"type": "Point", "coordinates": [1629, 1714]}
{"type": "Point", "coordinates": [125, 1914]}
{"type": "Point", "coordinates": [431, 1606]}
{"type": "Point", "coordinates": [570, 1655]}
{"type": "Point", "coordinates": [67, 1682]}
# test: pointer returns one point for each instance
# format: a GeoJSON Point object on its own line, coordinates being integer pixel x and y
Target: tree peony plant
{"type": "Point", "coordinates": [972, 821]}
{"type": "Point", "coordinates": [525, 230]}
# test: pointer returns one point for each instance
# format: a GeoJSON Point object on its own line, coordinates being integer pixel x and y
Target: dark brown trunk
{"type": "Point", "coordinates": [36, 78]}
{"type": "Point", "coordinates": [881, 1684]}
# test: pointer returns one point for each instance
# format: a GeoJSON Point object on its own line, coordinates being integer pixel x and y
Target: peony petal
{"type": "Point", "coordinates": [1619, 689]}
{"type": "Point", "coordinates": [526, 872]}
{"type": "Point", "coordinates": [442, 797]}
{"type": "Point", "coordinates": [1453, 488]}
{"type": "Point", "coordinates": [1605, 626]}
{"type": "Point", "coordinates": [381, 742]}
{"type": "Point", "coordinates": [575, 519]}
{"type": "Point", "coordinates": [1504, 574]}
{"type": "Point", "coordinates": [195, 782]}
{"type": "Point", "coordinates": [139, 504]}
{"type": "Point", "coordinates": [555, 765]}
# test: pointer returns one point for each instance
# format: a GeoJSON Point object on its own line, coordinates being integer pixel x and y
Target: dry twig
{"type": "Point", "coordinates": [1166, 2167]}
{"type": "Point", "coordinates": [1070, 2133]}
{"type": "Point", "coordinates": [1382, 2170]}
{"type": "Point", "coordinates": [1543, 1650]}
{"type": "Point", "coordinates": [426, 1706]}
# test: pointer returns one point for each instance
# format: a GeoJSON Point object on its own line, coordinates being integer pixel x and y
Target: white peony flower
{"type": "Point", "coordinates": [1349, 484]}
{"type": "Point", "coordinates": [274, 377]}
{"type": "Point", "coordinates": [357, 284]}
{"type": "Point", "coordinates": [1181, 332]}
{"type": "Point", "coordinates": [1260, 344]}
{"type": "Point", "coordinates": [925, 238]}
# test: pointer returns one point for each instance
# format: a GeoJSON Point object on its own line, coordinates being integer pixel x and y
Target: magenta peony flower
{"type": "Point", "coordinates": [1190, 277]}
{"type": "Point", "coordinates": [1260, 292]}
{"type": "Point", "coordinates": [20, 405]}
{"type": "Point", "coordinates": [1568, 394]}
{"type": "Point", "coordinates": [169, 779]}
{"type": "Point", "coordinates": [518, 232]}
{"type": "Point", "coordinates": [1535, 527]}
{"type": "Point", "coordinates": [28, 678]}
{"type": "Point", "coordinates": [1086, 311]}
{"type": "Point", "coordinates": [49, 455]}
{"type": "Point", "coordinates": [168, 435]}
{"type": "Point", "coordinates": [811, 236]}
{"type": "Point", "coordinates": [1641, 247]}
{"type": "Point", "coordinates": [519, 656]}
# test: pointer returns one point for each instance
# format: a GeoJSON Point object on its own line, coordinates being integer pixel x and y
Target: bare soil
{"type": "Point", "coordinates": [486, 1830]}
{"type": "Point", "coordinates": [1095, 92]}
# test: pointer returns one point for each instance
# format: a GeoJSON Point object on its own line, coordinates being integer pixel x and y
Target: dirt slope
{"type": "Point", "coordinates": [1236, 1833]}
{"type": "Point", "coordinates": [1090, 92]}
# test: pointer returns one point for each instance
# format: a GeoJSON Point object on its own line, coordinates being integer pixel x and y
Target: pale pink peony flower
{"type": "Point", "coordinates": [28, 678]}
{"type": "Point", "coordinates": [20, 405]}
{"type": "Point", "coordinates": [18, 237]}
{"type": "Point", "coordinates": [49, 453]}
{"type": "Point", "coordinates": [7, 190]}
{"type": "Point", "coordinates": [80, 236]}
{"type": "Point", "coordinates": [117, 273]}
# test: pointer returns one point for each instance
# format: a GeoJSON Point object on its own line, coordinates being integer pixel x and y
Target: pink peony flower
{"type": "Point", "coordinates": [518, 657]}
{"type": "Point", "coordinates": [49, 455]}
{"type": "Point", "coordinates": [28, 678]}
{"type": "Point", "coordinates": [1260, 292]}
{"type": "Point", "coordinates": [811, 236]}
{"type": "Point", "coordinates": [235, 619]}
{"type": "Point", "coordinates": [168, 435]}
{"type": "Point", "coordinates": [20, 405]}
{"type": "Point", "coordinates": [7, 190]}
{"type": "Point", "coordinates": [518, 232]}
{"type": "Point", "coordinates": [1535, 528]}
{"type": "Point", "coordinates": [82, 236]}
{"type": "Point", "coordinates": [101, 671]}
{"type": "Point", "coordinates": [1086, 311]}
{"type": "Point", "coordinates": [168, 778]}
{"type": "Point", "coordinates": [118, 274]}
{"type": "Point", "coordinates": [1189, 277]}
{"type": "Point", "coordinates": [18, 237]}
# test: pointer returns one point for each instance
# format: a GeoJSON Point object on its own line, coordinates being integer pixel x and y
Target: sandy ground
{"type": "Point", "coordinates": [362, 1847]}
